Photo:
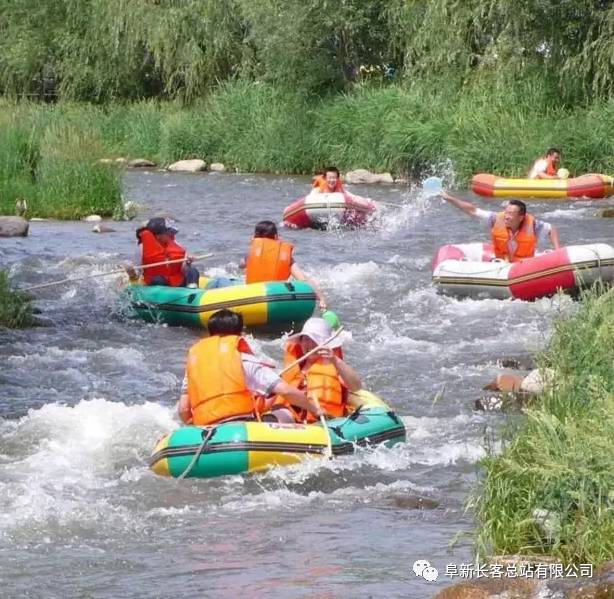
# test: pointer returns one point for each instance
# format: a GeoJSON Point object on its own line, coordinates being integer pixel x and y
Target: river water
{"type": "Point", "coordinates": [83, 401]}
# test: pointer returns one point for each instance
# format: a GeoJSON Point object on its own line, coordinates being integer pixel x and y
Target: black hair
{"type": "Point", "coordinates": [332, 169]}
{"type": "Point", "coordinates": [522, 207]}
{"type": "Point", "coordinates": [266, 228]}
{"type": "Point", "coordinates": [225, 322]}
{"type": "Point", "coordinates": [552, 151]}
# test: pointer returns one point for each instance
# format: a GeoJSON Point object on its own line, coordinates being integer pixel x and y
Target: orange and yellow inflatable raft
{"type": "Point", "coordinates": [586, 186]}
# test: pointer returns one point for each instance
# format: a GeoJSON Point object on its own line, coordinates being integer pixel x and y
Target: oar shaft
{"type": "Point", "coordinates": [312, 351]}
{"type": "Point", "coordinates": [112, 272]}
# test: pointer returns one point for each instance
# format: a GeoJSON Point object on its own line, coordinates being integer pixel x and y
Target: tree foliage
{"type": "Point", "coordinates": [106, 49]}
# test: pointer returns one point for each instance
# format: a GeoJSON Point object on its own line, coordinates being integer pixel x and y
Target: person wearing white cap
{"type": "Point", "coordinates": [324, 375]}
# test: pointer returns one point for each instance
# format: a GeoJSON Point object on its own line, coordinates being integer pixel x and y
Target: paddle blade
{"type": "Point", "coordinates": [332, 319]}
{"type": "Point", "coordinates": [432, 186]}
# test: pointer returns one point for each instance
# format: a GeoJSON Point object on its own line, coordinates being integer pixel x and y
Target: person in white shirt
{"type": "Point", "coordinates": [224, 380]}
{"type": "Point", "coordinates": [547, 167]}
{"type": "Point", "coordinates": [515, 233]}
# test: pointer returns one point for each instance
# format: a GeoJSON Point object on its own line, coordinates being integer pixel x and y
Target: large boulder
{"type": "Point", "coordinates": [537, 380]}
{"type": "Point", "coordinates": [13, 226]}
{"type": "Point", "coordinates": [362, 175]}
{"type": "Point", "coordinates": [188, 166]}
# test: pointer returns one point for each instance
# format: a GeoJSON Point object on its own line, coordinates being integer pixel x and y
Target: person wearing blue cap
{"type": "Point", "coordinates": [157, 239]}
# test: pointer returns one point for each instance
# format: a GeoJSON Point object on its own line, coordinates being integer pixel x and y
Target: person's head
{"type": "Point", "coordinates": [266, 228]}
{"type": "Point", "coordinates": [554, 154]}
{"type": "Point", "coordinates": [225, 322]}
{"type": "Point", "coordinates": [331, 175]}
{"type": "Point", "coordinates": [315, 332]}
{"type": "Point", "coordinates": [161, 228]}
{"type": "Point", "coordinates": [514, 213]}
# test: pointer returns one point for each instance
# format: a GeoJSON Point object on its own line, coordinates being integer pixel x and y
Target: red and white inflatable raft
{"type": "Point", "coordinates": [322, 210]}
{"type": "Point", "coordinates": [471, 270]}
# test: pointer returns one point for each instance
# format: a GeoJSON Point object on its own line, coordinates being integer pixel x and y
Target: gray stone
{"type": "Point", "coordinates": [13, 226]}
{"type": "Point", "coordinates": [93, 218]}
{"type": "Point", "coordinates": [188, 166]}
{"type": "Point", "coordinates": [102, 229]}
{"type": "Point", "coordinates": [414, 502]}
{"type": "Point", "coordinates": [217, 167]}
{"type": "Point", "coordinates": [141, 163]}
{"type": "Point", "coordinates": [362, 175]}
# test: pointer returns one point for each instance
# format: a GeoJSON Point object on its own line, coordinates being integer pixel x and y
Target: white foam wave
{"type": "Point", "coordinates": [570, 213]}
{"type": "Point", "coordinates": [283, 497]}
{"type": "Point", "coordinates": [58, 462]}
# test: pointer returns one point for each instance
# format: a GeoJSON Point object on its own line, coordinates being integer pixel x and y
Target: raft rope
{"type": "Point", "coordinates": [199, 451]}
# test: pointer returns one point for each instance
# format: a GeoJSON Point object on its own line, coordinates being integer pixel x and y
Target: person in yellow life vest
{"type": "Point", "coordinates": [157, 241]}
{"type": "Point", "coordinates": [271, 259]}
{"type": "Point", "coordinates": [547, 167]}
{"type": "Point", "coordinates": [324, 375]}
{"type": "Point", "coordinates": [514, 233]}
{"type": "Point", "coordinates": [224, 381]}
{"type": "Point", "coordinates": [328, 182]}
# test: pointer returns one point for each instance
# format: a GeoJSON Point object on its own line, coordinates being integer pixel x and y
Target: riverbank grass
{"type": "Point", "coordinates": [53, 162]}
{"type": "Point", "coordinates": [551, 490]}
{"type": "Point", "coordinates": [15, 308]}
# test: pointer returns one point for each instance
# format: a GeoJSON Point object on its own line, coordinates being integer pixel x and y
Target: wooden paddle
{"type": "Point", "coordinates": [112, 272]}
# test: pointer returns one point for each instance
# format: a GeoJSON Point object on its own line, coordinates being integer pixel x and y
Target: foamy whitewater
{"type": "Point", "coordinates": [84, 400]}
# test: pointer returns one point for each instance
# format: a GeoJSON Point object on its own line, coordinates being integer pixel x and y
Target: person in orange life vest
{"type": "Point", "coordinates": [515, 234]}
{"type": "Point", "coordinates": [157, 238]}
{"type": "Point", "coordinates": [323, 375]}
{"type": "Point", "coordinates": [546, 167]}
{"type": "Point", "coordinates": [328, 182]}
{"type": "Point", "coordinates": [271, 259]}
{"type": "Point", "coordinates": [224, 380]}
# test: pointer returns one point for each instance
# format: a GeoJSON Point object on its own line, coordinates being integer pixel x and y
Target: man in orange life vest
{"type": "Point", "coordinates": [158, 240]}
{"type": "Point", "coordinates": [546, 167]}
{"type": "Point", "coordinates": [270, 259]}
{"type": "Point", "coordinates": [224, 381]}
{"type": "Point", "coordinates": [324, 375]}
{"type": "Point", "coordinates": [329, 182]}
{"type": "Point", "coordinates": [515, 234]}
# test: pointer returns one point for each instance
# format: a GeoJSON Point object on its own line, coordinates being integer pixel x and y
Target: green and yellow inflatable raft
{"type": "Point", "coordinates": [237, 447]}
{"type": "Point", "coordinates": [273, 305]}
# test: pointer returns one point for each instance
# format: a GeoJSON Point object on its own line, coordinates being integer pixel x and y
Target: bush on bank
{"type": "Point", "coordinates": [15, 308]}
{"type": "Point", "coordinates": [51, 158]}
{"type": "Point", "coordinates": [50, 154]}
{"type": "Point", "coordinates": [551, 490]}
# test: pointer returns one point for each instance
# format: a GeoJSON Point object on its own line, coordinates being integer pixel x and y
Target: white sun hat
{"type": "Point", "coordinates": [318, 330]}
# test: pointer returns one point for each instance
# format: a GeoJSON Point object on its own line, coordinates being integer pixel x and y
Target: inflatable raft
{"type": "Point", "coordinates": [236, 447]}
{"type": "Point", "coordinates": [323, 210]}
{"type": "Point", "coordinates": [272, 305]}
{"type": "Point", "coordinates": [587, 186]}
{"type": "Point", "coordinates": [471, 270]}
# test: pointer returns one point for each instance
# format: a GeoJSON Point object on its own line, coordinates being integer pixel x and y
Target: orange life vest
{"type": "Point", "coordinates": [268, 260]}
{"type": "Point", "coordinates": [550, 169]}
{"type": "Point", "coordinates": [321, 380]}
{"type": "Point", "coordinates": [319, 182]}
{"type": "Point", "coordinates": [154, 251]}
{"type": "Point", "coordinates": [216, 383]}
{"type": "Point", "coordinates": [525, 238]}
